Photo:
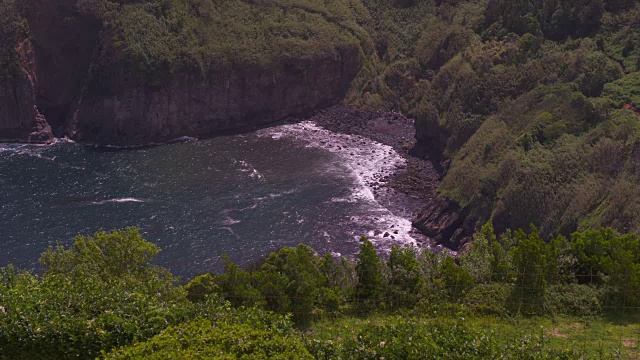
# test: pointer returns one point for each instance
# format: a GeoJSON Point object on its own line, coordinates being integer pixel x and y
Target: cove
{"type": "Point", "coordinates": [242, 195]}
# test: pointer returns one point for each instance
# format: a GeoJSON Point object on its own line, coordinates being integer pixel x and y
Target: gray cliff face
{"type": "Point", "coordinates": [120, 108]}
{"type": "Point", "coordinates": [63, 43]}
{"type": "Point", "coordinates": [20, 119]}
{"type": "Point", "coordinates": [77, 81]}
{"type": "Point", "coordinates": [445, 222]}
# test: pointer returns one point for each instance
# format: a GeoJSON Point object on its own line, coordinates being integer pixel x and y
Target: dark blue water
{"type": "Point", "coordinates": [241, 195]}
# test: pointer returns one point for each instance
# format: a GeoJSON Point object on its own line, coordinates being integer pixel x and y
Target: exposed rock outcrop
{"type": "Point", "coordinates": [92, 60]}
{"type": "Point", "coordinates": [445, 222]}
{"type": "Point", "coordinates": [64, 41]}
{"type": "Point", "coordinates": [20, 119]}
{"type": "Point", "coordinates": [122, 108]}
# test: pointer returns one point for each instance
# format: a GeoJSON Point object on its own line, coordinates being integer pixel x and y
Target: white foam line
{"type": "Point", "coordinates": [119, 200]}
{"type": "Point", "coordinates": [370, 162]}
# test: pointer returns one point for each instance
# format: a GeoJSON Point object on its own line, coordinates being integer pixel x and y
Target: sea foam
{"type": "Point", "coordinates": [371, 164]}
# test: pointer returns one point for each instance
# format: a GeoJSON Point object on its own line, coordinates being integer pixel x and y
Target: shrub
{"type": "Point", "coordinates": [204, 339]}
{"type": "Point", "coordinates": [12, 27]}
{"type": "Point", "coordinates": [101, 293]}
{"type": "Point", "coordinates": [574, 299]}
{"type": "Point", "coordinates": [369, 287]}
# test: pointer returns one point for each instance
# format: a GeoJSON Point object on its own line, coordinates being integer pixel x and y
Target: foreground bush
{"type": "Point", "coordinates": [101, 293]}
{"type": "Point", "coordinates": [262, 336]}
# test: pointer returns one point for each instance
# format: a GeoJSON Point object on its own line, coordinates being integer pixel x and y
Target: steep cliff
{"type": "Point", "coordinates": [119, 108]}
{"type": "Point", "coordinates": [110, 72]}
{"type": "Point", "coordinates": [19, 115]}
{"type": "Point", "coordinates": [64, 40]}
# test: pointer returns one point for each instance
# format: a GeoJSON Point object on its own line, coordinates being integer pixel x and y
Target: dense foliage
{"type": "Point", "coordinates": [100, 294]}
{"type": "Point", "coordinates": [415, 339]}
{"type": "Point", "coordinates": [12, 30]}
{"type": "Point", "coordinates": [592, 273]}
{"type": "Point", "coordinates": [534, 102]}
{"type": "Point", "coordinates": [258, 336]}
{"type": "Point", "coordinates": [104, 298]}
{"type": "Point", "coordinates": [531, 99]}
{"type": "Point", "coordinates": [161, 37]}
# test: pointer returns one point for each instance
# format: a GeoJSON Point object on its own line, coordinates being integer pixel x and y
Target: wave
{"type": "Point", "coordinates": [371, 165]}
{"type": "Point", "coordinates": [246, 167]}
{"type": "Point", "coordinates": [118, 200]}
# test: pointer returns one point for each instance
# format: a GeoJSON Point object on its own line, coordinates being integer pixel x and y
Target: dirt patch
{"type": "Point", "coordinates": [556, 333]}
{"type": "Point", "coordinates": [635, 109]}
{"type": "Point", "coordinates": [629, 343]}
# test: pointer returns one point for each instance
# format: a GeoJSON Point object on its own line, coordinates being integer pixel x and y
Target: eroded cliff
{"type": "Point", "coordinates": [20, 118]}
{"type": "Point", "coordinates": [108, 72]}
{"type": "Point", "coordinates": [121, 108]}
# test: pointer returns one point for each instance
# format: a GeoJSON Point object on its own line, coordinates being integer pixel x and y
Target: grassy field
{"type": "Point", "coordinates": [614, 337]}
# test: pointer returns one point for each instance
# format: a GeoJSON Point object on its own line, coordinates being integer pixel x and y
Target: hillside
{"type": "Point", "coordinates": [531, 108]}
{"type": "Point", "coordinates": [531, 102]}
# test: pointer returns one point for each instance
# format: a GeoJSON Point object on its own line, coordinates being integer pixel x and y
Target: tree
{"type": "Point", "coordinates": [529, 260]}
{"type": "Point", "coordinates": [297, 277]}
{"type": "Point", "coordinates": [101, 293]}
{"type": "Point", "coordinates": [120, 256]}
{"type": "Point", "coordinates": [369, 287]}
{"type": "Point", "coordinates": [477, 260]}
{"type": "Point", "coordinates": [404, 284]}
{"type": "Point", "coordinates": [456, 279]}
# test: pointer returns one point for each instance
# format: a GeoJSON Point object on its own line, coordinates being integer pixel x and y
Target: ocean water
{"type": "Point", "coordinates": [242, 195]}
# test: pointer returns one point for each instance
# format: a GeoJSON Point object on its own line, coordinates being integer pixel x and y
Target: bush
{"type": "Point", "coordinates": [12, 28]}
{"type": "Point", "coordinates": [161, 37]}
{"type": "Point", "coordinates": [489, 299]}
{"type": "Point", "coordinates": [625, 91]}
{"type": "Point", "coordinates": [101, 293]}
{"type": "Point", "coordinates": [574, 299]}
{"type": "Point", "coordinates": [204, 339]}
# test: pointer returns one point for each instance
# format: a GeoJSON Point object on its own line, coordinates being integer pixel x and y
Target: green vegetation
{"type": "Point", "coordinates": [535, 102]}
{"type": "Point", "coordinates": [532, 101]}
{"type": "Point", "coordinates": [513, 296]}
{"type": "Point", "coordinates": [12, 29]}
{"type": "Point", "coordinates": [258, 337]}
{"type": "Point", "coordinates": [168, 36]}
{"type": "Point", "coordinates": [625, 91]}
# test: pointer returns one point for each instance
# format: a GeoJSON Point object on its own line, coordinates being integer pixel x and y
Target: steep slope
{"type": "Point", "coordinates": [133, 73]}
{"type": "Point", "coordinates": [473, 73]}
{"type": "Point", "coordinates": [191, 68]}
{"type": "Point", "coordinates": [19, 115]}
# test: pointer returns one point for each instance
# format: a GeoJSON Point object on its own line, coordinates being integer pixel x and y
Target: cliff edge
{"type": "Point", "coordinates": [119, 73]}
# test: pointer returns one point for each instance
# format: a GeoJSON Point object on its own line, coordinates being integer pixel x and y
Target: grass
{"type": "Point", "coordinates": [613, 337]}
{"type": "Point", "coordinates": [210, 35]}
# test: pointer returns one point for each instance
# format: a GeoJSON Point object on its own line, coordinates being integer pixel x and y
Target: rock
{"type": "Point", "coordinates": [82, 81]}
{"type": "Point", "coordinates": [386, 234]}
{"type": "Point", "coordinates": [133, 113]}
{"type": "Point", "coordinates": [20, 119]}
{"type": "Point", "coordinates": [444, 221]}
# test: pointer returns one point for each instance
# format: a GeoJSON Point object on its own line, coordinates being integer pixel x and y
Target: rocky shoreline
{"type": "Point", "coordinates": [412, 188]}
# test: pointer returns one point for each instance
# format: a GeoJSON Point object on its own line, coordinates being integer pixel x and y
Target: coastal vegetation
{"type": "Point", "coordinates": [506, 297]}
{"type": "Point", "coordinates": [531, 106]}
{"type": "Point", "coordinates": [166, 37]}
{"type": "Point", "coordinates": [12, 26]}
